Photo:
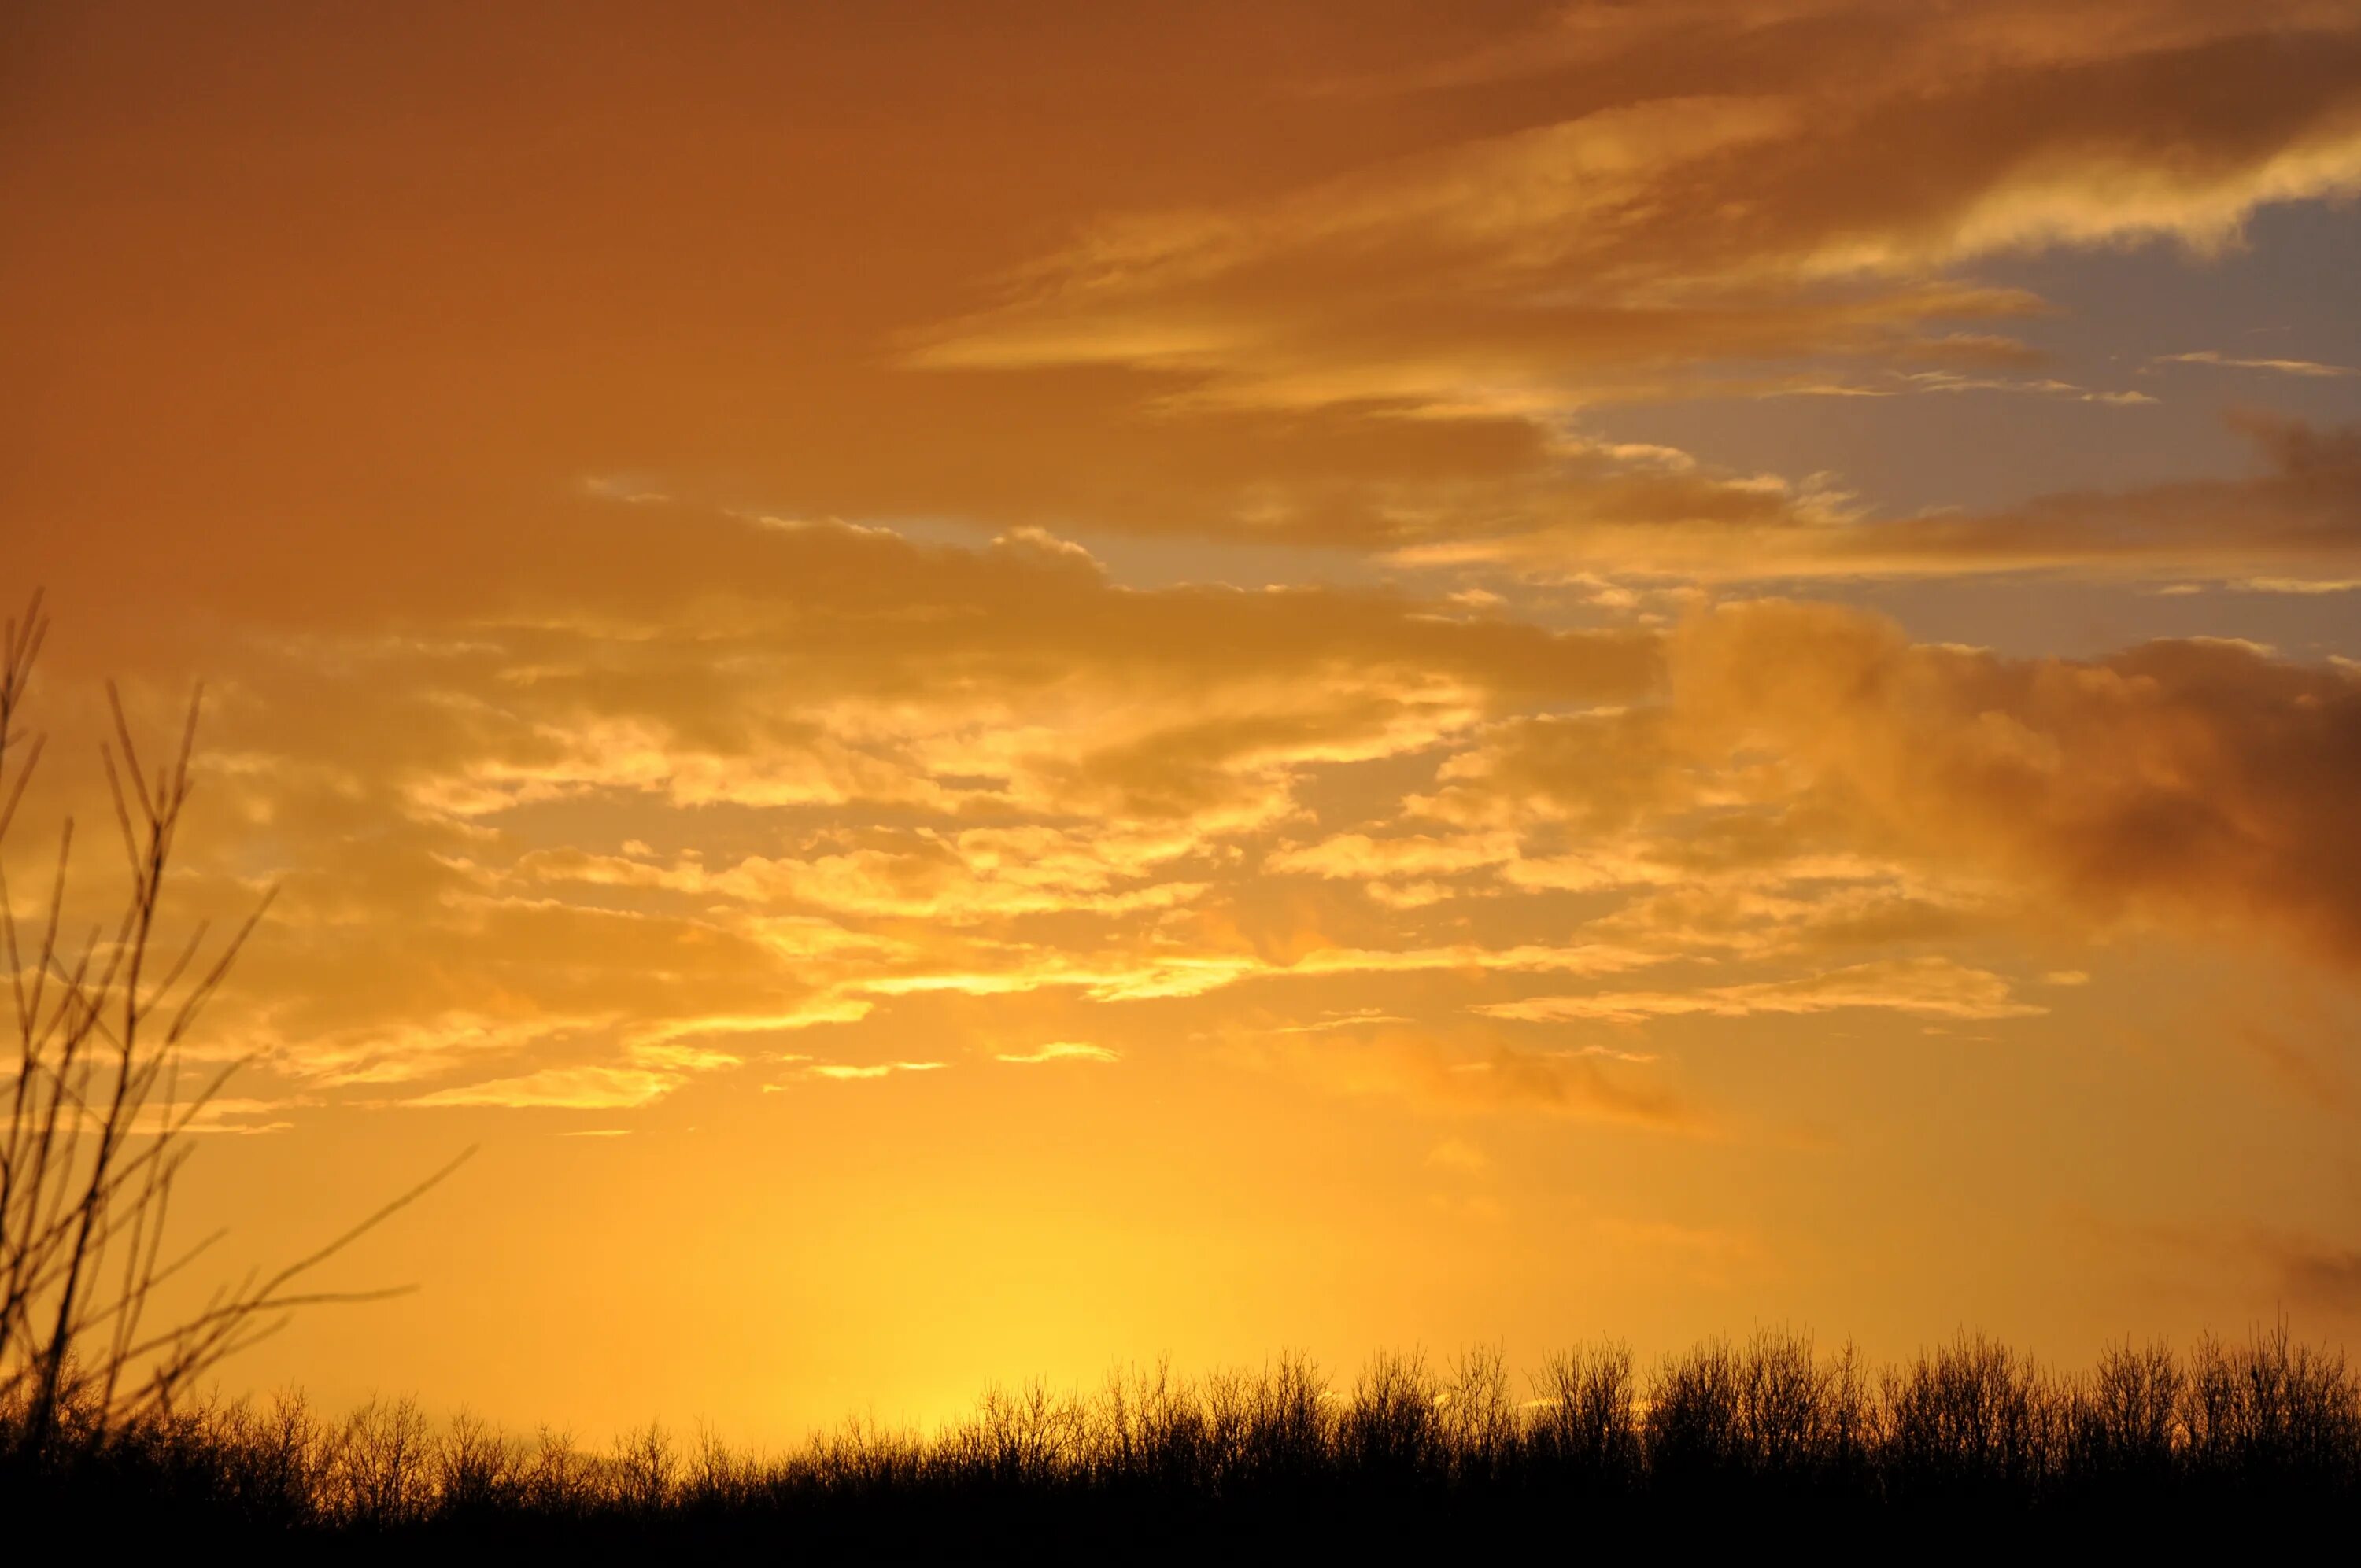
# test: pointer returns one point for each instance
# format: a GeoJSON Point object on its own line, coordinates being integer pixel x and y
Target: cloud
{"type": "Point", "coordinates": [1467, 958]}
{"type": "Point", "coordinates": [950, 682]}
{"type": "Point", "coordinates": [1739, 210]}
{"type": "Point", "coordinates": [1357, 855]}
{"type": "Point", "coordinates": [1015, 776]}
{"type": "Point", "coordinates": [1363, 307]}
{"type": "Point", "coordinates": [1553, 265]}
{"type": "Point", "coordinates": [2296, 584]}
{"type": "Point", "coordinates": [2312, 1077]}
{"type": "Point", "coordinates": [1712, 1257]}
{"type": "Point", "coordinates": [2300, 516]}
{"type": "Point", "coordinates": [1353, 1018]}
{"type": "Point", "coordinates": [1458, 1068]}
{"type": "Point", "coordinates": [2324, 1276]}
{"type": "Point", "coordinates": [665, 1036]}
{"type": "Point", "coordinates": [582, 1088]}
{"type": "Point", "coordinates": [1796, 793]}
{"type": "Point", "coordinates": [1060, 1050]}
{"type": "Point", "coordinates": [2310, 368]}
{"type": "Point", "coordinates": [2203, 784]}
{"type": "Point", "coordinates": [1137, 976]}
{"type": "Point", "coordinates": [1459, 1155]}
{"type": "Point", "coordinates": [1934, 987]}
{"type": "Point", "coordinates": [2265, 1262]}
{"type": "Point", "coordinates": [235, 1116]}
{"type": "Point", "coordinates": [854, 1072]}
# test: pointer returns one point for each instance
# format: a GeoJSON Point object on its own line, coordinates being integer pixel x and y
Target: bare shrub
{"type": "Point", "coordinates": [1022, 1438]}
{"type": "Point", "coordinates": [1480, 1427]}
{"type": "Point", "coordinates": [645, 1468]}
{"type": "Point", "coordinates": [382, 1470]}
{"type": "Point", "coordinates": [1288, 1421]}
{"type": "Point", "coordinates": [2269, 1412]}
{"type": "Point", "coordinates": [1963, 1431]}
{"type": "Point", "coordinates": [1391, 1429]}
{"type": "Point", "coordinates": [1586, 1421]}
{"type": "Point", "coordinates": [1693, 1429]}
{"type": "Point", "coordinates": [477, 1468]}
{"type": "Point", "coordinates": [99, 1107]}
{"type": "Point", "coordinates": [1782, 1408]}
{"type": "Point", "coordinates": [1973, 1418]}
{"type": "Point", "coordinates": [556, 1478]}
{"type": "Point", "coordinates": [2126, 1421]}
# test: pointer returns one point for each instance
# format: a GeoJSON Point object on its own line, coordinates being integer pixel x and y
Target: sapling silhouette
{"type": "Point", "coordinates": [98, 1113]}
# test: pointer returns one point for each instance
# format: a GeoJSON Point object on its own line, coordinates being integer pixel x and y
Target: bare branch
{"type": "Point", "coordinates": [97, 1131]}
{"type": "Point", "coordinates": [148, 804]}
{"type": "Point", "coordinates": [203, 990]}
{"type": "Point", "coordinates": [23, 777]}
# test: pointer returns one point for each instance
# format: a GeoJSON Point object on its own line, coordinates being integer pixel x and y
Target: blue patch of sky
{"type": "Point", "coordinates": [2292, 289]}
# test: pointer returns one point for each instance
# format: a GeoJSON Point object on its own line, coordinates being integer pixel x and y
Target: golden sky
{"type": "Point", "coordinates": [992, 688]}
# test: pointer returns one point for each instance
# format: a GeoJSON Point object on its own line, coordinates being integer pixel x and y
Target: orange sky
{"type": "Point", "coordinates": [993, 688]}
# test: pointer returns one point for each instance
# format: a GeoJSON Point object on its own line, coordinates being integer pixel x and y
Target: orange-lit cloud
{"type": "Point", "coordinates": [1796, 797]}
{"type": "Point", "coordinates": [1791, 225]}
{"type": "Point", "coordinates": [1934, 986]}
{"type": "Point", "coordinates": [1060, 1050]}
{"type": "Point", "coordinates": [2203, 783]}
{"type": "Point", "coordinates": [2233, 362]}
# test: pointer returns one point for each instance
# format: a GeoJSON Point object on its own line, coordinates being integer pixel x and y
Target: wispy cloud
{"type": "Point", "coordinates": [582, 1087]}
{"type": "Point", "coordinates": [2311, 368]}
{"type": "Point", "coordinates": [1933, 986]}
{"type": "Point", "coordinates": [852, 1072]}
{"type": "Point", "coordinates": [1060, 1050]}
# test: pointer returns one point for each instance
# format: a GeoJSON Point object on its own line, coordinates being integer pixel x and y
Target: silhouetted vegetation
{"type": "Point", "coordinates": [97, 1107]}
{"type": "Point", "coordinates": [1739, 1437]}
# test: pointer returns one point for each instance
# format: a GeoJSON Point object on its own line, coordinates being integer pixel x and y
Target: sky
{"type": "Point", "coordinates": [989, 690]}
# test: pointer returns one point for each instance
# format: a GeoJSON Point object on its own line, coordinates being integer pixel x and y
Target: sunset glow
{"type": "Point", "coordinates": [996, 689]}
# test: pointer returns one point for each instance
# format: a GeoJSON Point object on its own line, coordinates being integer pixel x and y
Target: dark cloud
{"type": "Point", "coordinates": [2207, 783]}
